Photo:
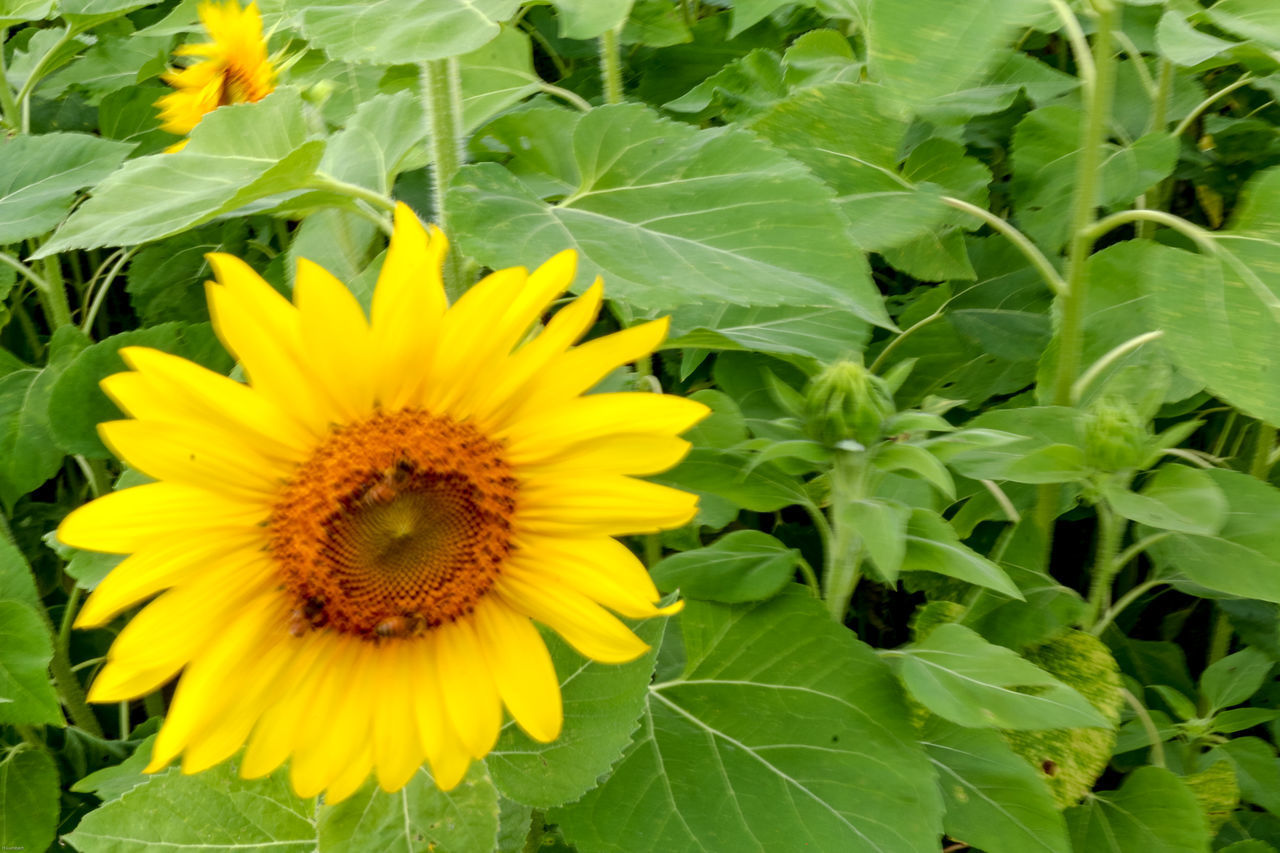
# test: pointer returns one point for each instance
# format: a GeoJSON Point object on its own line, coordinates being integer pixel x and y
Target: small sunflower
{"type": "Point", "coordinates": [352, 548]}
{"type": "Point", "coordinates": [233, 68]}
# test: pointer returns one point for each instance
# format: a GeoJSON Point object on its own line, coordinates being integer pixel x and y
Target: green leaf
{"type": "Point", "coordinates": [28, 454]}
{"type": "Point", "coordinates": [1184, 45]}
{"type": "Point", "coordinates": [717, 215]}
{"type": "Point", "coordinates": [165, 280]}
{"type": "Point", "coordinates": [994, 799]}
{"type": "Point", "coordinates": [586, 19]}
{"type": "Point", "coordinates": [389, 32]}
{"type": "Point", "coordinates": [1257, 770]}
{"type": "Point", "coordinates": [16, 581]}
{"type": "Point", "coordinates": [1239, 719]}
{"type": "Point", "coordinates": [933, 546]}
{"type": "Point", "coordinates": [602, 705]}
{"type": "Point", "coordinates": [1257, 20]}
{"type": "Point", "coordinates": [914, 459]}
{"type": "Point", "coordinates": [418, 818]}
{"type": "Point", "coordinates": [26, 648]}
{"type": "Point", "coordinates": [1154, 811]}
{"type": "Point", "coordinates": [882, 526]}
{"type": "Point", "coordinates": [39, 177]}
{"type": "Point", "coordinates": [928, 48]}
{"type": "Point", "coordinates": [28, 800]}
{"type": "Point", "coordinates": [720, 763]}
{"type": "Point", "coordinates": [1244, 557]}
{"type": "Point", "coordinates": [1233, 679]}
{"type": "Point", "coordinates": [377, 143]}
{"type": "Point", "coordinates": [826, 334]}
{"type": "Point", "coordinates": [1177, 498]}
{"type": "Point", "coordinates": [77, 405]}
{"type": "Point", "coordinates": [746, 565]}
{"type": "Point", "coordinates": [496, 77]}
{"type": "Point", "coordinates": [961, 677]}
{"type": "Point", "coordinates": [1221, 320]}
{"type": "Point", "coordinates": [237, 154]}
{"type": "Point", "coordinates": [16, 11]}
{"type": "Point", "coordinates": [210, 810]}
{"type": "Point", "coordinates": [765, 488]}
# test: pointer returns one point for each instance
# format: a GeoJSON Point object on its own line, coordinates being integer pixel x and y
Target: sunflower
{"type": "Point", "coordinates": [353, 547]}
{"type": "Point", "coordinates": [233, 69]}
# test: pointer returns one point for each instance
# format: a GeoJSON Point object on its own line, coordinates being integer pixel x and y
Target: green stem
{"type": "Point", "coordinates": [57, 309]}
{"type": "Point", "coordinates": [1199, 109]}
{"type": "Point", "coordinates": [443, 94]}
{"type": "Point", "coordinates": [36, 75]}
{"type": "Point", "coordinates": [1020, 241]}
{"type": "Point", "coordinates": [1159, 196]}
{"type": "Point", "coordinates": [1105, 567]}
{"type": "Point", "coordinates": [611, 67]}
{"type": "Point", "coordinates": [54, 308]}
{"type": "Point", "coordinates": [572, 98]}
{"type": "Point", "coordinates": [31, 738]}
{"type": "Point", "coordinates": [321, 181]}
{"type": "Point", "coordinates": [1220, 640]}
{"type": "Point", "coordinates": [1084, 206]}
{"type": "Point", "coordinates": [906, 333]}
{"type": "Point", "coordinates": [69, 689]}
{"type": "Point", "coordinates": [843, 570]}
{"type": "Point", "coordinates": [1119, 607]}
{"type": "Point", "coordinates": [1140, 711]}
{"type": "Point", "coordinates": [810, 578]}
{"type": "Point", "coordinates": [154, 703]}
{"type": "Point", "coordinates": [1262, 447]}
{"type": "Point", "coordinates": [8, 105]}
{"type": "Point", "coordinates": [69, 616]}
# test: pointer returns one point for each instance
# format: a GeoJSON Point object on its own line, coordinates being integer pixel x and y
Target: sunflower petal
{"type": "Point", "coordinates": [585, 625]}
{"type": "Point", "coordinates": [335, 337]}
{"type": "Point", "coordinates": [470, 696]}
{"type": "Point", "coordinates": [128, 520]}
{"type": "Point", "coordinates": [522, 669]}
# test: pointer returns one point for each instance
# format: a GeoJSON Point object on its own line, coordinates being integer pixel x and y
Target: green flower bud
{"type": "Point", "coordinates": [1071, 760]}
{"type": "Point", "coordinates": [847, 403]}
{"type": "Point", "coordinates": [1116, 437]}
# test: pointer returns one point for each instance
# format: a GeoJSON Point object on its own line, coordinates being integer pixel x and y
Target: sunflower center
{"type": "Point", "coordinates": [394, 525]}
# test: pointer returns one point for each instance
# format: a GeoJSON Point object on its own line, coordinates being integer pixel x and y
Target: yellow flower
{"type": "Point", "coordinates": [356, 543]}
{"type": "Point", "coordinates": [233, 68]}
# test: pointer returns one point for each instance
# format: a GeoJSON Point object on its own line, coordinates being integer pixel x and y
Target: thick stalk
{"type": "Point", "coordinates": [68, 687]}
{"type": "Point", "coordinates": [54, 298]}
{"type": "Point", "coordinates": [8, 105]}
{"type": "Point", "coordinates": [1105, 565]}
{"type": "Point", "coordinates": [844, 546]}
{"type": "Point", "coordinates": [442, 90]}
{"type": "Point", "coordinates": [1084, 206]}
{"type": "Point", "coordinates": [611, 67]}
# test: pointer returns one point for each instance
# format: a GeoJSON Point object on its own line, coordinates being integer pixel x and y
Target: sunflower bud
{"type": "Point", "coordinates": [1116, 437]}
{"type": "Point", "coordinates": [846, 402]}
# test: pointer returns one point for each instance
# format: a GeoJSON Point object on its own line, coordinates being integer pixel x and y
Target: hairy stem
{"type": "Point", "coordinates": [611, 67]}
{"type": "Point", "coordinates": [442, 88]}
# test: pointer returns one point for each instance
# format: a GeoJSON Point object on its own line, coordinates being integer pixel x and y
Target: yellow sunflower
{"type": "Point", "coordinates": [233, 68]}
{"type": "Point", "coordinates": [356, 543]}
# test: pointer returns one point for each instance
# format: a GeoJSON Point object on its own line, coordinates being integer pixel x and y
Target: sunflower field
{"type": "Point", "coordinates": [640, 426]}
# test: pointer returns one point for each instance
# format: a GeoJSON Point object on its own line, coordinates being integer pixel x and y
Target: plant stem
{"type": "Point", "coordinates": [1159, 196]}
{"type": "Point", "coordinates": [1110, 534]}
{"type": "Point", "coordinates": [57, 309]}
{"type": "Point", "coordinates": [36, 75]}
{"type": "Point", "coordinates": [68, 686]}
{"type": "Point", "coordinates": [1116, 609]}
{"type": "Point", "coordinates": [611, 66]}
{"type": "Point", "coordinates": [154, 703]}
{"type": "Point", "coordinates": [321, 181]}
{"type": "Point", "coordinates": [1140, 711]}
{"type": "Point", "coordinates": [1084, 206]}
{"type": "Point", "coordinates": [844, 549]}
{"type": "Point", "coordinates": [1220, 640]}
{"type": "Point", "coordinates": [1190, 118]}
{"type": "Point", "coordinates": [1262, 447]}
{"type": "Point", "coordinates": [1020, 241]}
{"type": "Point", "coordinates": [442, 90]}
{"type": "Point", "coordinates": [8, 105]}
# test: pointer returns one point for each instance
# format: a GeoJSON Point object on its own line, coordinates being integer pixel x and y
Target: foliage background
{"type": "Point", "coordinates": [1050, 228]}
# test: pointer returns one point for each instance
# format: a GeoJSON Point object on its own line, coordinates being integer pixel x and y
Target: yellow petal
{"type": "Point", "coordinates": [326, 743]}
{"type": "Point", "coordinates": [128, 520]}
{"type": "Point", "coordinates": [169, 561]}
{"type": "Point", "coordinates": [601, 569]}
{"type": "Point", "coordinates": [201, 395]}
{"type": "Point", "coordinates": [546, 433]}
{"type": "Point", "coordinates": [276, 734]}
{"type": "Point", "coordinates": [408, 305]}
{"type": "Point", "coordinates": [397, 751]}
{"type": "Point", "coordinates": [610, 505]}
{"type": "Point", "coordinates": [335, 336]}
{"type": "Point", "coordinates": [470, 697]}
{"type": "Point", "coordinates": [636, 453]}
{"type": "Point", "coordinates": [585, 625]}
{"type": "Point", "coordinates": [195, 457]}
{"type": "Point", "coordinates": [351, 779]}
{"type": "Point", "coordinates": [521, 667]}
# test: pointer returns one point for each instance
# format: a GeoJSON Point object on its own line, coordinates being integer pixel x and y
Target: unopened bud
{"type": "Point", "coordinates": [846, 402]}
{"type": "Point", "coordinates": [1116, 437]}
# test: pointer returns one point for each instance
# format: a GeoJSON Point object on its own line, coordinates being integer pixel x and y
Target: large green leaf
{"type": "Point", "coordinates": [1221, 317]}
{"type": "Point", "coordinates": [1177, 498]}
{"type": "Point", "coordinates": [720, 762]}
{"type": "Point", "coordinates": [1243, 558]}
{"type": "Point", "coordinates": [1258, 20]}
{"type": "Point", "coordinates": [927, 48]}
{"type": "Point", "coordinates": [584, 19]}
{"type": "Point", "coordinates": [602, 704]}
{"type": "Point", "coordinates": [212, 810]}
{"type": "Point", "coordinates": [237, 154]}
{"type": "Point", "coordinates": [388, 32]}
{"type": "Point", "coordinates": [1154, 811]}
{"type": "Point", "coordinates": [26, 648]}
{"type": "Point", "coordinates": [28, 800]}
{"type": "Point", "coordinates": [934, 546]}
{"type": "Point", "coordinates": [826, 334]}
{"type": "Point", "coordinates": [994, 799]}
{"type": "Point", "coordinates": [746, 565]}
{"type": "Point", "coordinates": [671, 215]}
{"type": "Point", "coordinates": [39, 177]}
{"type": "Point", "coordinates": [961, 677]}
{"type": "Point", "coordinates": [419, 818]}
